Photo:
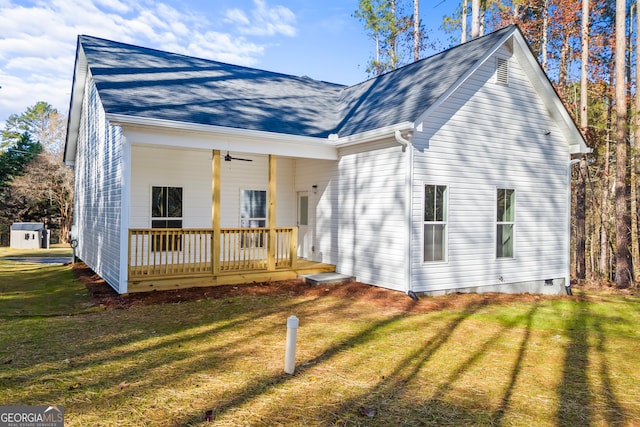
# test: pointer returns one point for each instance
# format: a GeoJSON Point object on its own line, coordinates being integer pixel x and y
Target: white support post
{"type": "Point", "coordinates": [290, 351]}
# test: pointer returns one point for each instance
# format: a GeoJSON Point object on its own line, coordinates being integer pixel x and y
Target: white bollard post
{"type": "Point", "coordinates": [290, 351]}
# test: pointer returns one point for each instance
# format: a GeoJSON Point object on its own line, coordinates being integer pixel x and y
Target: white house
{"type": "Point", "coordinates": [452, 173]}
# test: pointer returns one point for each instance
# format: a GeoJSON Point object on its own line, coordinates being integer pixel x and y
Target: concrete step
{"type": "Point", "coordinates": [327, 278]}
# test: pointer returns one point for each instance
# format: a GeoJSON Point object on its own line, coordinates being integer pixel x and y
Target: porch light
{"type": "Point", "coordinates": [314, 188]}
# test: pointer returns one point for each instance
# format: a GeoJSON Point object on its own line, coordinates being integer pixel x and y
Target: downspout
{"type": "Point", "coordinates": [567, 279]}
{"type": "Point", "coordinates": [125, 219]}
{"type": "Point", "coordinates": [400, 140]}
{"type": "Point", "coordinates": [408, 194]}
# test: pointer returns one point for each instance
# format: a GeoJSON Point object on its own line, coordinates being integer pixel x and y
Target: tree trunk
{"type": "Point", "coordinates": [545, 39]}
{"type": "Point", "coordinates": [416, 30]}
{"type": "Point", "coordinates": [564, 65]}
{"type": "Point", "coordinates": [475, 18]}
{"type": "Point", "coordinates": [393, 36]}
{"type": "Point", "coordinates": [483, 10]}
{"type": "Point", "coordinates": [463, 20]}
{"type": "Point", "coordinates": [637, 122]}
{"type": "Point", "coordinates": [624, 269]}
{"type": "Point", "coordinates": [581, 191]}
{"type": "Point", "coordinates": [605, 269]}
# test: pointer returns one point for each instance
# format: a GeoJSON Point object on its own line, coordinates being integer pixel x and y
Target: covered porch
{"type": "Point", "coordinates": [173, 258]}
{"type": "Point", "coordinates": [188, 259]}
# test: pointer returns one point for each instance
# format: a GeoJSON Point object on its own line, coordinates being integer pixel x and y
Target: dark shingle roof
{"type": "Point", "coordinates": [406, 93]}
{"type": "Point", "coordinates": [28, 226]}
{"type": "Point", "coordinates": [149, 83]}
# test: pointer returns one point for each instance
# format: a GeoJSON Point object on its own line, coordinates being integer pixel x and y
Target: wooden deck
{"type": "Point", "coordinates": [172, 258]}
{"type": "Point", "coordinates": [227, 278]}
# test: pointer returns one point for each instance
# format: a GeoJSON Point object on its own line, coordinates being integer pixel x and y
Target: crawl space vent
{"type": "Point", "coordinates": [502, 71]}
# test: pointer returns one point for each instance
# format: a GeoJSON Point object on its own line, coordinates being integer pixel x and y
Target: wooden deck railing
{"type": "Point", "coordinates": [182, 252]}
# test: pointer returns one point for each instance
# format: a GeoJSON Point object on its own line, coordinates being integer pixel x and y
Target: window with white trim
{"type": "Point", "coordinates": [166, 212]}
{"type": "Point", "coordinates": [505, 223]}
{"type": "Point", "coordinates": [253, 214]}
{"type": "Point", "coordinates": [435, 223]}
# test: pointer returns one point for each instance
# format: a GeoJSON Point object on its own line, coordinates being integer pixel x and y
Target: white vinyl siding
{"type": "Point", "coordinates": [191, 170]}
{"type": "Point", "coordinates": [358, 212]}
{"type": "Point", "coordinates": [484, 137]}
{"type": "Point", "coordinates": [98, 190]}
{"type": "Point", "coordinates": [323, 206]}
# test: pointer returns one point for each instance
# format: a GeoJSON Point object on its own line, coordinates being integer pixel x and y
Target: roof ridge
{"type": "Point", "coordinates": [442, 52]}
{"type": "Point", "coordinates": [228, 64]}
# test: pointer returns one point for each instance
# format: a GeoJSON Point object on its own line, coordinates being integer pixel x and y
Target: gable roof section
{"type": "Point", "coordinates": [150, 85]}
{"type": "Point", "coordinates": [409, 91]}
{"type": "Point", "coordinates": [136, 81]}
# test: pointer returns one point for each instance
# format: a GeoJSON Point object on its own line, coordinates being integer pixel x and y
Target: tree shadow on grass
{"type": "Point", "coordinates": [388, 386]}
{"type": "Point", "coordinates": [517, 368]}
{"type": "Point", "coordinates": [265, 383]}
{"type": "Point", "coordinates": [614, 413]}
{"type": "Point", "coordinates": [140, 361]}
{"type": "Point", "coordinates": [575, 394]}
{"type": "Point", "coordinates": [391, 385]}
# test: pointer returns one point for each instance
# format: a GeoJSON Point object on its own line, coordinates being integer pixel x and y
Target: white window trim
{"type": "Point", "coordinates": [496, 223]}
{"type": "Point", "coordinates": [240, 206]}
{"type": "Point", "coordinates": [445, 259]}
{"type": "Point", "coordinates": [150, 203]}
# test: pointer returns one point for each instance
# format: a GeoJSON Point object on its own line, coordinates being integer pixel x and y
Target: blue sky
{"type": "Point", "coordinates": [316, 38]}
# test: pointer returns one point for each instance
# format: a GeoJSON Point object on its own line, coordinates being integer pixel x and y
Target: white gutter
{"type": "Point", "coordinates": [372, 135]}
{"type": "Point", "coordinates": [125, 120]}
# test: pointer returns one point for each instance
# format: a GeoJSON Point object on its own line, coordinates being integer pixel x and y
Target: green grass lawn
{"type": "Point", "coordinates": [29, 289]}
{"type": "Point", "coordinates": [562, 361]}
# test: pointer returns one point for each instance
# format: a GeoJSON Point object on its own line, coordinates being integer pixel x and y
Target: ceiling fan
{"type": "Point", "coordinates": [228, 158]}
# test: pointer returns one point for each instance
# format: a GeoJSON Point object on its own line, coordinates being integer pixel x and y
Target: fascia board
{"type": "Point", "coordinates": [164, 133]}
{"type": "Point", "coordinates": [423, 117]}
{"type": "Point", "coordinates": [543, 86]}
{"type": "Point", "coordinates": [374, 134]}
{"type": "Point", "coordinates": [75, 106]}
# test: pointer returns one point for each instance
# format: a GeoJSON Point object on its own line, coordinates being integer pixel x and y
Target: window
{"type": "Point", "coordinates": [505, 223]}
{"type": "Point", "coordinates": [435, 222]}
{"type": "Point", "coordinates": [166, 212]}
{"type": "Point", "coordinates": [253, 214]}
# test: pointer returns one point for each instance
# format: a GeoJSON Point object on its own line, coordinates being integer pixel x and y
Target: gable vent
{"type": "Point", "coordinates": [502, 71]}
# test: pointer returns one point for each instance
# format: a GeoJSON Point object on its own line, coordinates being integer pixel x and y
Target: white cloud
{"type": "Point", "coordinates": [38, 40]}
{"type": "Point", "coordinates": [115, 5]}
{"type": "Point", "coordinates": [237, 16]}
{"type": "Point", "coordinates": [235, 50]}
{"type": "Point", "coordinates": [267, 21]}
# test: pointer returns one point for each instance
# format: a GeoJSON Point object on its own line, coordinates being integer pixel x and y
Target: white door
{"type": "Point", "coordinates": [304, 245]}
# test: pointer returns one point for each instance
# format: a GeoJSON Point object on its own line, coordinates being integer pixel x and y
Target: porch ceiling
{"type": "Point", "coordinates": [206, 137]}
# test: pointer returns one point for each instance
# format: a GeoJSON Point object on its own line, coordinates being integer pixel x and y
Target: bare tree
{"type": "Point", "coordinates": [581, 191]}
{"type": "Point", "coordinates": [475, 18]}
{"type": "Point", "coordinates": [636, 214]}
{"type": "Point", "coordinates": [624, 268]}
{"type": "Point", "coordinates": [463, 21]}
{"type": "Point", "coordinates": [416, 30]}
{"type": "Point", "coordinates": [46, 190]}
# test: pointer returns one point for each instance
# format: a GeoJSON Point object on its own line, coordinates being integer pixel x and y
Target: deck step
{"type": "Point", "coordinates": [330, 278]}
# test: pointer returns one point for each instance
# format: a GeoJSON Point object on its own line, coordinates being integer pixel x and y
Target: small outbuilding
{"type": "Point", "coordinates": [29, 235]}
